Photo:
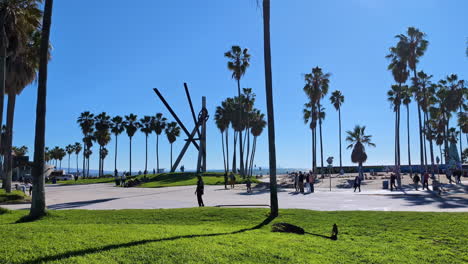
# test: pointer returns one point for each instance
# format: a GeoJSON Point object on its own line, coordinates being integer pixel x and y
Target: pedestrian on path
{"type": "Point", "coordinates": [249, 185]}
{"type": "Point", "coordinates": [426, 181]}
{"type": "Point", "coordinates": [232, 180]}
{"type": "Point", "coordinates": [199, 191]}
{"type": "Point", "coordinates": [392, 182]}
{"type": "Point", "coordinates": [312, 182]}
{"type": "Point", "coordinates": [357, 183]}
{"type": "Point", "coordinates": [416, 181]}
{"type": "Point", "coordinates": [307, 184]}
{"type": "Point", "coordinates": [301, 182]}
{"type": "Point", "coordinates": [296, 181]}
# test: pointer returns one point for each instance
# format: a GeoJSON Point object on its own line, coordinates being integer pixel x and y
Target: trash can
{"type": "Point", "coordinates": [385, 185]}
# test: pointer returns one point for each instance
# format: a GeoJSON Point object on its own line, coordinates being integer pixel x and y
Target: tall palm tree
{"type": "Point", "coordinates": [258, 124]}
{"type": "Point", "coordinates": [20, 151]}
{"type": "Point", "coordinates": [394, 97]}
{"type": "Point", "coordinates": [337, 100]}
{"type": "Point", "coordinates": [358, 139]}
{"type": "Point", "coordinates": [239, 61]}
{"type": "Point", "coordinates": [70, 149]}
{"type": "Point", "coordinates": [159, 124]}
{"type": "Point", "coordinates": [61, 153]}
{"type": "Point", "coordinates": [86, 122]}
{"type": "Point", "coordinates": [88, 143]}
{"type": "Point", "coordinates": [131, 126]}
{"type": "Point", "coordinates": [77, 148]}
{"type": "Point", "coordinates": [249, 101]}
{"type": "Point", "coordinates": [146, 127]}
{"type": "Point", "coordinates": [117, 128]}
{"type": "Point", "coordinates": [270, 113]}
{"type": "Point", "coordinates": [222, 122]}
{"type": "Point", "coordinates": [406, 100]}
{"type": "Point", "coordinates": [102, 134]}
{"type": "Point", "coordinates": [172, 132]}
{"type": "Point", "coordinates": [103, 154]}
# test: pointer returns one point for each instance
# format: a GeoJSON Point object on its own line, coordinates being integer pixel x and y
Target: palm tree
{"type": "Point", "coordinates": [358, 139]}
{"type": "Point", "coordinates": [102, 135]}
{"type": "Point", "coordinates": [239, 61]}
{"type": "Point", "coordinates": [88, 143]}
{"type": "Point", "coordinates": [86, 122]}
{"type": "Point", "coordinates": [20, 151]}
{"type": "Point", "coordinates": [258, 123]}
{"type": "Point", "coordinates": [77, 148]}
{"type": "Point", "coordinates": [394, 97]}
{"type": "Point", "coordinates": [146, 127]}
{"type": "Point", "coordinates": [61, 153]}
{"type": "Point", "coordinates": [222, 122]}
{"type": "Point", "coordinates": [249, 101]}
{"type": "Point", "coordinates": [172, 132]}
{"type": "Point", "coordinates": [337, 100]}
{"type": "Point", "coordinates": [270, 113]}
{"type": "Point", "coordinates": [159, 124]}
{"type": "Point", "coordinates": [103, 154]}
{"type": "Point", "coordinates": [116, 128]}
{"type": "Point", "coordinates": [131, 126]}
{"type": "Point", "coordinates": [406, 100]}
{"type": "Point", "coordinates": [69, 149]}
{"type": "Point", "coordinates": [38, 206]}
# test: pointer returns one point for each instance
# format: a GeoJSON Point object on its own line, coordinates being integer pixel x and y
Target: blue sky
{"type": "Point", "coordinates": [108, 55]}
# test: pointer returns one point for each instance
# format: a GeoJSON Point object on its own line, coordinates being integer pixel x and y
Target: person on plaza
{"type": "Point", "coordinates": [249, 185]}
{"type": "Point", "coordinates": [416, 181]}
{"type": "Point", "coordinates": [426, 181]}
{"type": "Point", "coordinates": [200, 191]}
{"type": "Point", "coordinates": [123, 179]}
{"type": "Point", "coordinates": [296, 181]}
{"type": "Point", "coordinates": [307, 185]}
{"type": "Point", "coordinates": [392, 182]}
{"type": "Point", "coordinates": [457, 174]}
{"type": "Point", "coordinates": [357, 183]}
{"type": "Point", "coordinates": [232, 180]}
{"type": "Point", "coordinates": [312, 182]}
{"type": "Point", "coordinates": [30, 188]}
{"type": "Point", "coordinates": [301, 182]}
{"type": "Point", "coordinates": [448, 174]}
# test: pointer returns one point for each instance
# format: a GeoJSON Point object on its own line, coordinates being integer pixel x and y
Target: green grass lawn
{"type": "Point", "coordinates": [186, 178]}
{"type": "Point", "coordinates": [13, 197]}
{"type": "Point", "coordinates": [88, 181]}
{"type": "Point", "coordinates": [222, 235]}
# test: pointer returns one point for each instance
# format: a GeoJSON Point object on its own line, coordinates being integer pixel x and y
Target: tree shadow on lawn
{"type": "Point", "coordinates": [83, 252]}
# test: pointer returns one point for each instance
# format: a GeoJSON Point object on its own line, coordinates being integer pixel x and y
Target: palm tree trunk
{"type": "Point", "coordinates": [461, 133]}
{"type": "Point", "coordinates": [432, 159]}
{"type": "Point", "coordinates": [227, 150]}
{"type": "Point", "coordinates": [224, 153]}
{"type": "Point", "coordinates": [252, 158]}
{"type": "Point", "coordinates": [130, 170]}
{"type": "Point", "coordinates": [408, 134]}
{"type": "Point", "coordinates": [84, 160]}
{"type": "Point", "coordinates": [171, 155]}
{"type": "Point", "coordinates": [425, 139]}
{"type": "Point", "coordinates": [115, 157]}
{"type": "Point", "coordinates": [87, 167]}
{"type": "Point", "coordinates": [68, 163]}
{"type": "Point", "coordinates": [247, 153]}
{"type": "Point", "coordinates": [421, 150]}
{"type": "Point", "coordinates": [38, 205]}
{"type": "Point", "coordinates": [9, 141]}
{"type": "Point", "coordinates": [146, 151]}
{"type": "Point", "coordinates": [241, 153]}
{"type": "Point", "coordinates": [100, 161]}
{"type": "Point", "coordinates": [77, 165]}
{"type": "Point", "coordinates": [398, 148]}
{"type": "Point", "coordinates": [157, 153]}
{"type": "Point", "coordinates": [441, 157]}
{"type": "Point", "coordinates": [269, 99]}
{"type": "Point", "coordinates": [234, 165]}
{"type": "Point", "coordinates": [3, 55]}
{"type": "Point", "coordinates": [339, 135]}
{"type": "Point", "coordinates": [321, 146]}
{"type": "Point", "coordinates": [312, 134]}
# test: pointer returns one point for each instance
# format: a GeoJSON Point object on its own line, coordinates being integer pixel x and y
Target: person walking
{"type": "Point", "coordinates": [392, 182]}
{"type": "Point", "coordinates": [426, 181]}
{"type": "Point", "coordinates": [416, 181]}
{"type": "Point", "coordinates": [232, 180]}
{"type": "Point", "coordinates": [357, 183]}
{"type": "Point", "coordinates": [296, 181]}
{"type": "Point", "coordinates": [312, 182]}
{"type": "Point", "coordinates": [307, 184]}
{"type": "Point", "coordinates": [249, 185]}
{"type": "Point", "coordinates": [301, 182]}
{"type": "Point", "coordinates": [199, 191]}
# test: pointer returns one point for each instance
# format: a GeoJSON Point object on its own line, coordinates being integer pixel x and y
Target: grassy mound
{"type": "Point", "coordinates": [185, 178]}
{"type": "Point", "coordinates": [88, 181]}
{"type": "Point", "coordinates": [223, 235]}
{"type": "Point", "coordinates": [13, 197]}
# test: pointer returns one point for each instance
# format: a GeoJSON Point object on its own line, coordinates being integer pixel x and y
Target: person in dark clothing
{"type": "Point", "coordinates": [199, 191]}
{"type": "Point", "coordinates": [312, 182]}
{"type": "Point", "coordinates": [249, 185]}
{"type": "Point", "coordinates": [30, 190]}
{"type": "Point", "coordinates": [448, 174]}
{"type": "Point", "coordinates": [296, 181]}
{"type": "Point", "coordinates": [457, 174]}
{"type": "Point", "coordinates": [416, 181]}
{"type": "Point", "coordinates": [357, 183]}
{"type": "Point", "coordinates": [301, 182]}
{"type": "Point", "coordinates": [392, 182]}
{"type": "Point", "coordinates": [426, 181]}
{"type": "Point", "coordinates": [334, 235]}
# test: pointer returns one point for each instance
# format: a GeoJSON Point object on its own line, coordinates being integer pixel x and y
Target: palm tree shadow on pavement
{"type": "Point", "coordinates": [83, 252]}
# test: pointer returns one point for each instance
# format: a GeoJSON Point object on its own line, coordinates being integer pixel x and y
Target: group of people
{"type": "Point", "coordinates": [25, 186]}
{"type": "Point", "coordinates": [300, 177]}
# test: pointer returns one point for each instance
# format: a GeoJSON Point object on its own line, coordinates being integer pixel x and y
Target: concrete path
{"type": "Point", "coordinates": [106, 196]}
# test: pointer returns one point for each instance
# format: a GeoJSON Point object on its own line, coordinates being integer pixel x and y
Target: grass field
{"type": "Point", "coordinates": [186, 178]}
{"type": "Point", "coordinates": [88, 181]}
{"type": "Point", "coordinates": [222, 235]}
{"type": "Point", "coordinates": [13, 197]}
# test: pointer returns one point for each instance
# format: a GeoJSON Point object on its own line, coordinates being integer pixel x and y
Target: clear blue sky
{"type": "Point", "coordinates": [108, 55]}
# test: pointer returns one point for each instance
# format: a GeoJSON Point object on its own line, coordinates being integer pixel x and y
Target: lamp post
{"type": "Point", "coordinates": [438, 170]}
{"type": "Point", "coordinates": [330, 166]}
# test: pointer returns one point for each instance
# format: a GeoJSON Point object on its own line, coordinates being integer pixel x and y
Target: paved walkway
{"type": "Point", "coordinates": [106, 196]}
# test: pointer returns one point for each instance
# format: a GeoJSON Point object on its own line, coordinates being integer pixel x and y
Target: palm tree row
{"type": "Point", "coordinates": [98, 128]}
{"type": "Point", "coordinates": [436, 102]}
{"type": "Point", "coordinates": [247, 120]}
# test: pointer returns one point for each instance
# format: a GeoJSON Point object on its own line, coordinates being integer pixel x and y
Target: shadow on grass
{"type": "Point", "coordinates": [83, 252]}
{"type": "Point", "coordinates": [312, 234]}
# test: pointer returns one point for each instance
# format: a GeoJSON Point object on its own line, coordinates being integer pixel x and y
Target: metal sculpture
{"type": "Point", "coordinates": [199, 129]}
